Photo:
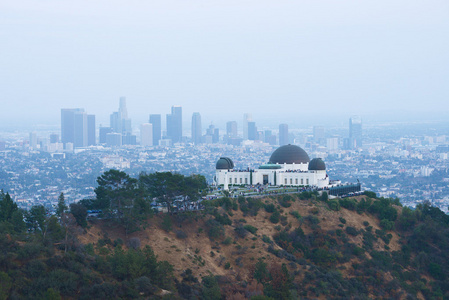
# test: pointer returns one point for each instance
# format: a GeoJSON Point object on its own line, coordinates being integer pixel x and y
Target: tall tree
{"type": "Point", "coordinates": [36, 219]}
{"type": "Point", "coordinates": [7, 207]}
{"type": "Point", "coordinates": [115, 190]}
{"type": "Point", "coordinates": [172, 189]}
{"type": "Point", "coordinates": [79, 212]}
{"type": "Point", "coordinates": [62, 207]}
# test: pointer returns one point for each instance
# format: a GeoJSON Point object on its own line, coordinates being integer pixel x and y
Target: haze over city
{"type": "Point", "coordinates": [382, 60]}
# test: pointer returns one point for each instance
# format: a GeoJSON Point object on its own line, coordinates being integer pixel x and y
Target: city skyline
{"type": "Point", "coordinates": [78, 130]}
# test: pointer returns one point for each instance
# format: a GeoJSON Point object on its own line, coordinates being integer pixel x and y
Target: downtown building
{"type": "Point", "coordinates": [77, 128]}
{"type": "Point", "coordinates": [174, 124]}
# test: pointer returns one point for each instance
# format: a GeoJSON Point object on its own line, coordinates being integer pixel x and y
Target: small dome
{"type": "Point", "coordinates": [317, 164]}
{"type": "Point", "coordinates": [289, 154]}
{"type": "Point", "coordinates": [224, 163]}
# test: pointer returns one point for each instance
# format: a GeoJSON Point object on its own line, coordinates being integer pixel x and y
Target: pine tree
{"type": "Point", "coordinates": [62, 207]}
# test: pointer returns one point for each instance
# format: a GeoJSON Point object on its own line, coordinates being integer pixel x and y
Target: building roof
{"type": "Point", "coordinates": [317, 164]}
{"type": "Point", "coordinates": [224, 163]}
{"type": "Point", "coordinates": [289, 154]}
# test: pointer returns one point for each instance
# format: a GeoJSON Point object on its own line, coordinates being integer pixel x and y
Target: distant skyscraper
{"type": "Point", "coordinates": [196, 128]}
{"type": "Point", "coordinates": [332, 143]}
{"type": "Point", "coordinates": [174, 124]}
{"type": "Point", "coordinates": [269, 137]}
{"type": "Point", "coordinates": [77, 127]}
{"type": "Point", "coordinates": [216, 135]}
{"type": "Point", "coordinates": [119, 121]}
{"type": "Point", "coordinates": [252, 131]}
{"type": "Point", "coordinates": [318, 134]}
{"type": "Point", "coordinates": [54, 138]}
{"type": "Point", "coordinates": [80, 129]}
{"type": "Point", "coordinates": [246, 119]}
{"type": "Point", "coordinates": [122, 108]}
{"type": "Point", "coordinates": [68, 124]}
{"type": "Point", "coordinates": [283, 134]}
{"type": "Point", "coordinates": [33, 140]}
{"type": "Point", "coordinates": [103, 132]}
{"type": "Point", "coordinates": [355, 132]}
{"type": "Point", "coordinates": [155, 121]}
{"type": "Point", "coordinates": [231, 129]}
{"type": "Point", "coordinates": [91, 136]}
{"type": "Point", "coordinates": [146, 134]}
{"type": "Point", "coordinates": [116, 122]}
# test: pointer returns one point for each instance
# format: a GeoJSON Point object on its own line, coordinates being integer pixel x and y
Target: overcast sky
{"type": "Point", "coordinates": [223, 58]}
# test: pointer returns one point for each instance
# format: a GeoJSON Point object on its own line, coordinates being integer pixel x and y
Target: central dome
{"type": "Point", "coordinates": [289, 154]}
{"type": "Point", "coordinates": [224, 163]}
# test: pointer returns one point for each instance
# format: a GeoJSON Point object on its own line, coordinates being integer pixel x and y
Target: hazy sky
{"type": "Point", "coordinates": [223, 58]}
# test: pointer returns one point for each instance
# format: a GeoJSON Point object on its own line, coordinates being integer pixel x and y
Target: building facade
{"type": "Point", "coordinates": [155, 121]}
{"type": "Point", "coordinates": [197, 133]}
{"type": "Point", "coordinates": [289, 165]}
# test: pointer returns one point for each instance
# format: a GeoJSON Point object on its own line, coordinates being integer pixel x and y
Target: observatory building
{"type": "Point", "coordinates": [289, 165]}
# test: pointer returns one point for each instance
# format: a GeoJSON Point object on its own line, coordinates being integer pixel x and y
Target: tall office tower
{"type": "Point", "coordinates": [122, 108]}
{"type": "Point", "coordinates": [68, 124]}
{"type": "Point", "coordinates": [126, 122]}
{"type": "Point", "coordinates": [318, 134]}
{"type": "Point", "coordinates": [332, 143]}
{"type": "Point", "coordinates": [216, 136]}
{"type": "Point", "coordinates": [91, 137]}
{"type": "Point", "coordinates": [155, 120]}
{"type": "Point", "coordinates": [252, 131]}
{"type": "Point", "coordinates": [33, 140]}
{"type": "Point", "coordinates": [74, 127]}
{"type": "Point", "coordinates": [119, 120]}
{"type": "Point", "coordinates": [231, 129]}
{"type": "Point", "coordinates": [54, 138]}
{"type": "Point", "coordinates": [80, 129]}
{"type": "Point", "coordinates": [197, 133]}
{"type": "Point", "coordinates": [103, 132]}
{"type": "Point", "coordinates": [283, 134]}
{"type": "Point", "coordinates": [116, 122]}
{"type": "Point", "coordinates": [355, 132]}
{"type": "Point", "coordinates": [246, 119]}
{"type": "Point", "coordinates": [269, 137]}
{"type": "Point", "coordinates": [146, 134]}
{"type": "Point", "coordinates": [174, 124]}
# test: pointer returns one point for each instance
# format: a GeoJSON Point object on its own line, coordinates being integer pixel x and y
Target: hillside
{"type": "Point", "coordinates": [283, 247]}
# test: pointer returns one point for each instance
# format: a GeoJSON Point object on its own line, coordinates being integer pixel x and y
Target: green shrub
{"type": "Point", "coordinates": [348, 203]}
{"type": "Point", "coordinates": [167, 224]}
{"type": "Point", "coordinates": [216, 230]}
{"type": "Point", "coordinates": [324, 196]}
{"type": "Point", "coordinates": [370, 194]}
{"type": "Point", "coordinates": [386, 225]}
{"type": "Point", "coordinates": [274, 218]}
{"type": "Point", "coordinates": [296, 214]}
{"type": "Point", "coordinates": [342, 220]}
{"type": "Point", "coordinates": [227, 241]}
{"type": "Point", "coordinates": [250, 228]}
{"type": "Point", "coordinates": [333, 205]}
{"type": "Point", "coordinates": [269, 208]}
{"type": "Point", "coordinates": [352, 231]}
{"type": "Point", "coordinates": [266, 239]}
{"type": "Point", "coordinates": [314, 210]}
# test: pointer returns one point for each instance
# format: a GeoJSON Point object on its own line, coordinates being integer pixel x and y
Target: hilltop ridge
{"type": "Point", "coordinates": [275, 247]}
